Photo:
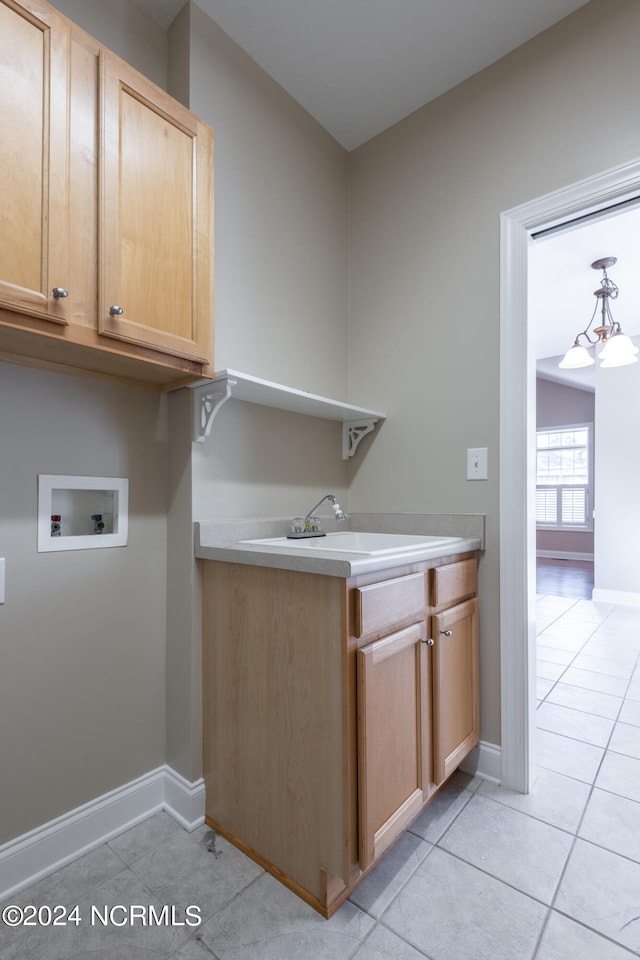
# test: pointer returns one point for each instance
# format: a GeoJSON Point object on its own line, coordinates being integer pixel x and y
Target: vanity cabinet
{"type": "Point", "coordinates": [334, 710]}
{"type": "Point", "coordinates": [418, 695]}
{"type": "Point", "coordinates": [106, 192]}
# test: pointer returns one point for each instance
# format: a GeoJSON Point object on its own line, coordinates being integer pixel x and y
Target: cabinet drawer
{"type": "Point", "coordinates": [453, 581]}
{"type": "Point", "coordinates": [384, 604]}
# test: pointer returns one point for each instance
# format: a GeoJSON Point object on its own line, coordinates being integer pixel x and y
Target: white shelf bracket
{"type": "Point", "coordinates": [210, 395]}
{"type": "Point", "coordinates": [206, 403]}
{"type": "Point", "coordinates": [352, 433]}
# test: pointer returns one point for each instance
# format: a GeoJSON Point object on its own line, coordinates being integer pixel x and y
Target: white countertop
{"type": "Point", "coordinates": [221, 540]}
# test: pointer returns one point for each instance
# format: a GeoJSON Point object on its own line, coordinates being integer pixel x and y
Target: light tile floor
{"type": "Point", "coordinates": [484, 874]}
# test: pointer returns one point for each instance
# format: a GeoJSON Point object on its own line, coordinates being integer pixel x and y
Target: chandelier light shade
{"type": "Point", "coordinates": [618, 350]}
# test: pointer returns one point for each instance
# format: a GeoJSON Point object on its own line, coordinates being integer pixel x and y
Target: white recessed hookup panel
{"type": "Point", "coordinates": [82, 513]}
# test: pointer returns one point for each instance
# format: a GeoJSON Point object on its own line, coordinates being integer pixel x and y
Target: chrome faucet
{"type": "Point", "coordinates": [309, 526]}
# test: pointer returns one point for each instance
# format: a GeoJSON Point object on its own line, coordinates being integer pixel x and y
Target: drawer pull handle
{"type": "Point", "coordinates": [116, 311]}
{"type": "Point", "coordinates": [59, 293]}
{"type": "Point", "coordinates": [429, 642]}
{"type": "Point", "coordinates": [447, 633]}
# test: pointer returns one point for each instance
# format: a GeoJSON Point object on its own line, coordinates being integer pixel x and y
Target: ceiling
{"type": "Point", "coordinates": [562, 283]}
{"type": "Point", "coordinates": [359, 66]}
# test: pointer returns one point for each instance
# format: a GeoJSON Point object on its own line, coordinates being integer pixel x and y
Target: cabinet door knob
{"type": "Point", "coordinates": [60, 293]}
{"type": "Point", "coordinates": [447, 633]}
{"type": "Point", "coordinates": [116, 311]}
{"type": "Point", "coordinates": [429, 641]}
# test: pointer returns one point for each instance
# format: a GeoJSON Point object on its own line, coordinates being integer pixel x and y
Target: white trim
{"type": "Point", "coordinates": [52, 845]}
{"type": "Point", "coordinates": [587, 526]}
{"type": "Point", "coordinates": [184, 800]}
{"type": "Point", "coordinates": [517, 392]}
{"type": "Point", "coordinates": [484, 761]}
{"type": "Point", "coordinates": [517, 624]}
{"type": "Point", "coordinates": [564, 555]}
{"type": "Point", "coordinates": [621, 597]}
{"type": "Point", "coordinates": [118, 487]}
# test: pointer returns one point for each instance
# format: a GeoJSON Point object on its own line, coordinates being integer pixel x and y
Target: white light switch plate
{"type": "Point", "coordinates": [1, 579]}
{"type": "Point", "coordinates": [477, 463]}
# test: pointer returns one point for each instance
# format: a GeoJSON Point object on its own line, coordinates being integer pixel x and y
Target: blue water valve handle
{"type": "Point", "coordinates": [98, 521]}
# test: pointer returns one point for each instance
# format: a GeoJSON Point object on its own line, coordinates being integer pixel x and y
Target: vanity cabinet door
{"type": "Point", "coordinates": [34, 120]}
{"type": "Point", "coordinates": [156, 210]}
{"type": "Point", "coordinates": [394, 749]}
{"type": "Point", "coordinates": [456, 706]}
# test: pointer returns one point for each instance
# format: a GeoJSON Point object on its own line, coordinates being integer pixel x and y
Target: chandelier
{"type": "Point", "coordinates": [618, 349]}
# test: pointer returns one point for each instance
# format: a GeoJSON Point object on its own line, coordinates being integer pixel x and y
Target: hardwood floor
{"type": "Point", "coordinates": [564, 578]}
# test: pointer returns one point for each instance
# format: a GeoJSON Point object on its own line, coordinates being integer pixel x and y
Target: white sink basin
{"type": "Point", "coordinates": [348, 541]}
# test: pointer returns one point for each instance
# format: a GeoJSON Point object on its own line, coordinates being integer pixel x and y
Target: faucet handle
{"type": "Point", "coordinates": [297, 525]}
{"type": "Point", "coordinates": [313, 524]}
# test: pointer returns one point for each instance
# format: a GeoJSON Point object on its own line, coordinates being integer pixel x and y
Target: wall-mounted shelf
{"type": "Point", "coordinates": [208, 398]}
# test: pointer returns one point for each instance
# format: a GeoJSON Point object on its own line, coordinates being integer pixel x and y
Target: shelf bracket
{"type": "Point", "coordinates": [210, 395]}
{"type": "Point", "coordinates": [206, 404]}
{"type": "Point", "coordinates": [352, 433]}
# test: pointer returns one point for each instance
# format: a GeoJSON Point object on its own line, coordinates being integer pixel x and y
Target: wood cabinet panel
{"type": "Point", "coordinates": [453, 581]}
{"type": "Point", "coordinates": [456, 706]}
{"type": "Point", "coordinates": [155, 156]}
{"type": "Point", "coordinates": [83, 180]}
{"type": "Point", "coordinates": [394, 733]}
{"type": "Point", "coordinates": [382, 605]}
{"type": "Point", "coordinates": [34, 121]}
{"type": "Point", "coordinates": [274, 750]}
{"type": "Point", "coordinates": [106, 192]}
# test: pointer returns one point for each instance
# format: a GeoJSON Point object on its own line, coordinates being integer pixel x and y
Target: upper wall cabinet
{"type": "Point", "coordinates": [155, 282]}
{"type": "Point", "coordinates": [34, 123]}
{"type": "Point", "coordinates": [106, 206]}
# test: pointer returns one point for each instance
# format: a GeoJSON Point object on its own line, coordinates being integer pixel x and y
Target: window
{"type": "Point", "coordinates": [563, 478]}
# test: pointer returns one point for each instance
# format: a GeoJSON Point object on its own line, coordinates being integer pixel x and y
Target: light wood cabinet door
{"type": "Point", "coordinates": [456, 707]}
{"type": "Point", "coordinates": [394, 749]}
{"type": "Point", "coordinates": [156, 216]}
{"type": "Point", "coordinates": [34, 121]}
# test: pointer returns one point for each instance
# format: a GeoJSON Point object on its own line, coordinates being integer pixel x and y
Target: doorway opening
{"type": "Point", "coordinates": [588, 198]}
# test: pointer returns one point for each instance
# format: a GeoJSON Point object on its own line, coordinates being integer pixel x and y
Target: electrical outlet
{"type": "Point", "coordinates": [477, 463]}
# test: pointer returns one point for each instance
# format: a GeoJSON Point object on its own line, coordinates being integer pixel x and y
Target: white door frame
{"type": "Point", "coordinates": [517, 431]}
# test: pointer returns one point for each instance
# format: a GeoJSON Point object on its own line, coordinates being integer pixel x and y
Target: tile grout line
{"type": "Point", "coordinates": [592, 786]}
{"type": "Point", "coordinates": [379, 921]}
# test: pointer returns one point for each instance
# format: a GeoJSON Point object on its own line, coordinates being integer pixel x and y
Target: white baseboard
{"type": "Point", "coordinates": [484, 761]}
{"type": "Point", "coordinates": [49, 847]}
{"type": "Point", "coordinates": [622, 597]}
{"type": "Point", "coordinates": [184, 800]}
{"type": "Point", "coordinates": [564, 555]}
{"type": "Point", "coordinates": [53, 845]}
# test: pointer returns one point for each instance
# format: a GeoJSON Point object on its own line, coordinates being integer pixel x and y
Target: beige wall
{"type": "Point", "coordinates": [280, 221]}
{"type": "Point", "coordinates": [558, 404]}
{"type": "Point", "coordinates": [82, 706]}
{"type": "Point", "coordinates": [281, 290]}
{"type": "Point", "coordinates": [423, 250]}
{"type": "Point", "coordinates": [281, 301]}
{"type": "Point", "coordinates": [281, 304]}
{"type": "Point", "coordinates": [82, 679]}
{"type": "Point", "coordinates": [426, 197]}
{"type": "Point", "coordinates": [124, 29]}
